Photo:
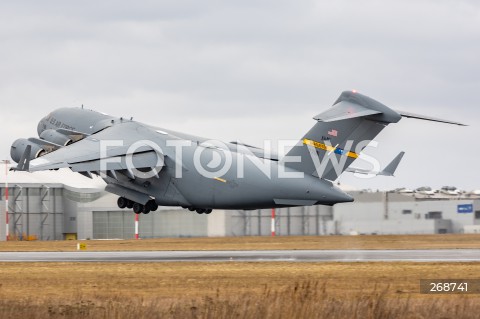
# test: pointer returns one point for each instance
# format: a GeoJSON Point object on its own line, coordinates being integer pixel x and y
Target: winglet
{"type": "Point", "coordinates": [24, 163]}
{"type": "Point", "coordinates": [389, 170]}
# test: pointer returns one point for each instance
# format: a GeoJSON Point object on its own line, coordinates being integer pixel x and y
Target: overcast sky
{"type": "Point", "coordinates": [254, 70]}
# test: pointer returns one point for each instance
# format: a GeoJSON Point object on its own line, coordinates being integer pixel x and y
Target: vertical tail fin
{"type": "Point", "coordinates": [339, 135]}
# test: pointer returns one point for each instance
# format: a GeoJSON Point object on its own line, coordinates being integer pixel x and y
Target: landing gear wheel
{"type": "Point", "coordinates": [208, 211]}
{"type": "Point", "coordinates": [146, 209]}
{"type": "Point", "coordinates": [137, 208]}
{"type": "Point", "coordinates": [130, 204]}
{"type": "Point", "coordinates": [191, 209]}
{"type": "Point", "coordinates": [200, 211]}
{"type": "Point", "coordinates": [122, 202]}
{"type": "Point", "coordinates": [153, 205]}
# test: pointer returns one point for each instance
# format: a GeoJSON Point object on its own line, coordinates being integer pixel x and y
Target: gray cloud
{"type": "Point", "coordinates": [252, 70]}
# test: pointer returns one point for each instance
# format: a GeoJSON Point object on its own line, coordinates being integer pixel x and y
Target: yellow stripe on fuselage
{"type": "Point", "coordinates": [328, 148]}
{"type": "Point", "coordinates": [220, 179]}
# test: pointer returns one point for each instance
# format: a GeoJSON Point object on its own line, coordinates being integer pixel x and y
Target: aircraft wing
{"type": "Point", "coordinates": [108, 150]}
{"type": "Point", "coordinates": [260, 153]}
{"type": "Point", "coordinates": [357, 170]}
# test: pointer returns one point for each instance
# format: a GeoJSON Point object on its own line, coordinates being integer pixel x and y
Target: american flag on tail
{"type": "Point", "coordinates": [333, 132]}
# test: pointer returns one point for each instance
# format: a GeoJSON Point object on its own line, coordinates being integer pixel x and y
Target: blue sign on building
{"type": "Point", "coordinates": [465, 208]}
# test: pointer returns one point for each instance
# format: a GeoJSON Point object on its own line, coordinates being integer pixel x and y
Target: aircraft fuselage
{"type": "Point", "coordinates": [248, 182]}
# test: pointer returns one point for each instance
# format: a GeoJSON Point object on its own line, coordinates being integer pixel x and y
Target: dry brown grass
{"type": "Point", "coordinates": [231, 290]}
{"type": "Point", "coordinates": [260, 243]}
{"type": "Point", "coordinates": [236, 290]}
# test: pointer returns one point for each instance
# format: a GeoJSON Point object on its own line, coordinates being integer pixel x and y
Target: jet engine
{"type": "Point", "coordinates": [18, 148]}
{"type": "Point", "coordinates": [55, 137]}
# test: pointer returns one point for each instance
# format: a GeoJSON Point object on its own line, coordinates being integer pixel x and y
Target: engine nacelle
{"type": "Point", "coordinates": [18, 148]}
{"type": "Point", "coordinates": [55, 137]}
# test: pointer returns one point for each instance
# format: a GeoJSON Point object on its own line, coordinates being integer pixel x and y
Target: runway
{"type": "Point", "coordinates": [439, 255]}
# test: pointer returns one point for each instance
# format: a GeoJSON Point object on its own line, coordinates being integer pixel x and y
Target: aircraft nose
{"type": "Point", "coordinates": [343, 197]}
{"type": "Point", "coordinates": [335, 195]}
{"type": "Point", "coordinates": [340, 196]}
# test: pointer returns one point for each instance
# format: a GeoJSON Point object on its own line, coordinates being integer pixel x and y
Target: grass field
{"type": "Point", "coordinates": [231, 290]}
{"type": "Point", "coordinates": [237, 290]}
{"type": "Point", "coordinates": [450, 241]}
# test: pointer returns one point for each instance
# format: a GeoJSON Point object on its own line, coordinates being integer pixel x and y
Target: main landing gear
{"type": "Point", "coordinates": [200, 210]}
{"type": "Point", "coordinates": [138, 208]}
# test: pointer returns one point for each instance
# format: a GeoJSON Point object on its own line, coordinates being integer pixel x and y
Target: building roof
{"type": "Point", "coordinates": [61, 178]}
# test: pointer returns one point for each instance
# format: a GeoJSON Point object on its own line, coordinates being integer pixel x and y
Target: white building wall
{"type": "Point", "coordinates": [358, 212]}
{"type": "Point", "coordinates": [216, 224]}
{"type": "Point", "coordinates": [459, 220]}
{"type": "Point", "coordinates": [397, 211]}
{"type": "Point", "coordinates": [368, 214]}
{"type": "Point", "coordinates": [84, 225]}
{"type": "Point", "coordinates": [471, 229]}
{"type": "Point", "coordinates": [106, 202]}
{"type": "Point", "coordinates": [390, 227]}
{"type": "Point", "coordinates": [402, 214]}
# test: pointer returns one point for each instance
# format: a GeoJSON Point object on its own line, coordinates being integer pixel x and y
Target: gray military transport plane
{"type": "Point", "coordinates": [148, 166]}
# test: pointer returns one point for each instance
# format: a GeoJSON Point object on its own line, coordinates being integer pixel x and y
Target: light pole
{"type": "Point", "coordinates": [273, 222]}
{"type": "Point", "coordinates": [136, 226]}
{"type": "Point", "coordinates": [7, 230]}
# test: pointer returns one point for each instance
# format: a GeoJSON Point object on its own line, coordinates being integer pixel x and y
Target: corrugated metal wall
{"type": "Point", "coordinates": [176, 223]}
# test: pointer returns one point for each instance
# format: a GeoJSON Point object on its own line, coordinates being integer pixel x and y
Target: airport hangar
{"type": "Point", "coordinates": [65, 205]}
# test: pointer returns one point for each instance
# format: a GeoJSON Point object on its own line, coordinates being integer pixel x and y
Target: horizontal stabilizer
{"type": "Point", "coordinates": [428, 118]}
{"type": "Point", "coordinates": [345, 110]}
{"type": "Point", "coordinates": [389, 170]}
